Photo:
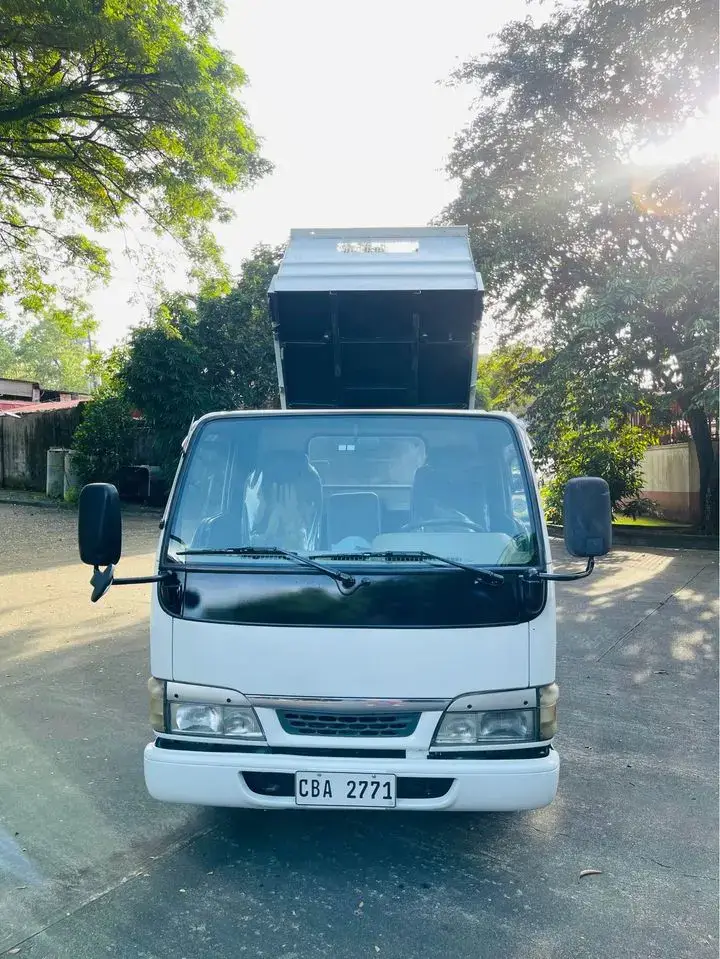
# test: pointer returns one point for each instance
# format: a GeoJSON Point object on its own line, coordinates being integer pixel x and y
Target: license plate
{"type": "Point", "coordinates": [344, 789]}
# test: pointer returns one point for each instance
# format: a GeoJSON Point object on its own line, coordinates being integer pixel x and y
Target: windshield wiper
{"type": "Point", "coordinates": [481, 575]}
{"type": "Point", "coordinates": [345, 579]}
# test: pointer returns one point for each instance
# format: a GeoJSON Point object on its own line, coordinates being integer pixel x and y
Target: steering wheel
{"type": "Point", "coordinates": [453, 522]}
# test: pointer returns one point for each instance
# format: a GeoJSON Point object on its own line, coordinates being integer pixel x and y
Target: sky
{"type": "Point", "coordinates": [350, 104]}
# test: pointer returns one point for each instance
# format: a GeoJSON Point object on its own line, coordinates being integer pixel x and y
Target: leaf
{"type": "Point", "coordinates": [116, 112]}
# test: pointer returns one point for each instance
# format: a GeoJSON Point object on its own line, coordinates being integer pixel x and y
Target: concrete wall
{"type": "Point", "coordinates": [24, 443]}
{"type": "Point", "coordinates": [672, 479]}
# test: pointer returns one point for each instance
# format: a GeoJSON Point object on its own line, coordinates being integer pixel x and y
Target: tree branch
{"type": "Point", "coordinates": [27, 108]}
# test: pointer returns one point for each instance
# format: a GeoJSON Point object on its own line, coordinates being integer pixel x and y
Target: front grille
{"type": "Point", "coordinates": [375, 725]}
{"type": "Point", "coordinates": [408, 787]}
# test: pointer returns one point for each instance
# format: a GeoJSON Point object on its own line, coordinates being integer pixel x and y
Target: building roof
{"type": "Point", "coordinates": [11, 406]}
{"type": "Point", "coordinates": [27, 390]}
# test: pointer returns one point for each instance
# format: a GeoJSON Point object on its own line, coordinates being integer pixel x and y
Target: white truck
{"type": "Point", "coordinates": [353, 603]}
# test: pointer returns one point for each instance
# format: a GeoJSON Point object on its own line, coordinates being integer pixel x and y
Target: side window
{"type": "Point", "coordinates": [520, 506]}
{"type": "Point", "coordinates": [204, 493]}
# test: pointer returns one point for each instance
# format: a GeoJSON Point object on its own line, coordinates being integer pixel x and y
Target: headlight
{"type": "Point", "coordinates": [491, 726]}
{"type": "Point", "coordinates": [459, 730]}
{"type": "Point", "coordinates": [242, 723]}
{"type": "Point", "coordinates": [196, 718]}
{"type": "Point", "coordinates": [204, 719]}
{"type": "Point", "coordinates": [506, 726]}
{"type": "Point", "coordinates": [507, 716]}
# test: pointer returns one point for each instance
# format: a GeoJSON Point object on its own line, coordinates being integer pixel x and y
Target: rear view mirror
{"type": "Point", "coordinates": [99, 525]}
{"type": "Point", "coordinates": [587, 517]}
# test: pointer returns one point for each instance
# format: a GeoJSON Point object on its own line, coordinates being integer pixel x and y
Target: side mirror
{"type": "Point", "coordinates": [587, 517]}
{"type": "Point", "coordinates": [99, 525]}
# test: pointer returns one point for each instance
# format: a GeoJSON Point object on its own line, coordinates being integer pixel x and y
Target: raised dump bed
{"type": "Point", "coordinates": [377, 319]}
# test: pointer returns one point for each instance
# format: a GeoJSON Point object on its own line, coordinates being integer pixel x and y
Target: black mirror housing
{"type": "Point", "coordinates": [99, 525]}
{"type": "Point", "coordinates": [587, 517]}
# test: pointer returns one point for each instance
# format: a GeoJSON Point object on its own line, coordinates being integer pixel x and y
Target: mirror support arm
{"type": "Point", "coordinates": [563, 577]}
{"type": "Point", "coordinates": [139, 580]}
{"type": "Point", "coordinates": [103, 579]}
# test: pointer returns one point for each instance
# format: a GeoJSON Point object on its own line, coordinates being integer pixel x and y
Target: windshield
{"type": "Point", "coordinates": [342, 485]}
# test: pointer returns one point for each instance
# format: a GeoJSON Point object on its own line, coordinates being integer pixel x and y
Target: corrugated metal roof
{"type": "Point", "coordinates": [426, 258]}
{"type": "Point", "coordinates": [20, 407]}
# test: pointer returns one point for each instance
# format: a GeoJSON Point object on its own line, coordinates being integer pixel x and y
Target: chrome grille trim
{"type": "Point", "coordinates": [349, 705]}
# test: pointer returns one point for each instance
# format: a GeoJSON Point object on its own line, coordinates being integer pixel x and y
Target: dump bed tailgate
{"type": "Point", "coordinates": [380, 318]}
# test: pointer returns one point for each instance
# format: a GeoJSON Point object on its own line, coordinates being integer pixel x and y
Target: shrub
{"type": "Point", "coordinates": [614, 455]}
{"type": "Point", "coordinates": [641, 506]}
{"type": "Point", "coordinates": [105, 438]}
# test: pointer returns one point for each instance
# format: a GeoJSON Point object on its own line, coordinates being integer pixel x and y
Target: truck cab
{"type": "Point", "coordinates": [354, 597]}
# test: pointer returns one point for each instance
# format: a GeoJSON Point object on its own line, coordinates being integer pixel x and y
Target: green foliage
{"type": "Point", "coordinates": [72, 495]}
{"type": "Point", "coordinates": [203, 354]}
{"type": "Point", "coordinates": [610, 267]}
{"type": "Point", "coordinates": [110, 110]}
{"type": "Point", "coordinates": [7, 355]}
{"type": "Point", "coordinates": [577, 423]}
{"type": "Point", "coordinates": [506, 378]}
{"type": "Point", "coordinates": [54, 348]}
{"type": "Point", "coordinates": [546, 182]}
{"type": "Point", "coordinates": [105, 438]}
{"type": "Point", "coordinates": [641, 506]}
{"type": "Point", "coordinates": [614, 455]}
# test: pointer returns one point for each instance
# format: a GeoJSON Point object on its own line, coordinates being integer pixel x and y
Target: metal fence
{"type": "Point", "coordinates": [677, 431]}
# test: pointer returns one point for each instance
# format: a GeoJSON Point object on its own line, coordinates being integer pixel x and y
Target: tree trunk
{"type": "Point", "coordinates": [708, 468]}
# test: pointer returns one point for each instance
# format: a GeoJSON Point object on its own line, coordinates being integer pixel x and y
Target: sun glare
{"type": "Point", "coordinates": [698, 136]}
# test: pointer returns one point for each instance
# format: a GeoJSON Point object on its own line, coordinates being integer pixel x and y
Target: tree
{"type": "Point", "coordinates": [613, 454]}
{"type": "Point", "coordinates": [104, 440]}
{"type": "Point", "coordinates": [108, 110]}
{"type": "Point", "coordinates": [506, 378]}
{"type": "Point", "coordinates": [578, 426]}
{"type": "Point", "coordinates": [202, 354]}
{"type": "Point", "coordinates": [612, 268]}
{"type": "Point", "coordinates": [658, 325]}
{"type": "Point", "coordinates": [55, 349]}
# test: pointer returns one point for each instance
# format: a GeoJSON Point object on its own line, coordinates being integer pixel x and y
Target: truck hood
{"type": "Point", "coordinates": [347, 662]}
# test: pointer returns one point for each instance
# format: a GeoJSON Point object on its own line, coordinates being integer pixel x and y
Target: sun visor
{"type": "Point", "coordinates": [377, 319]}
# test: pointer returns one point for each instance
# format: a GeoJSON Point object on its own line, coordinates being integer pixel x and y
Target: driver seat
{"type": "Point", "coordinates": [447, 487]}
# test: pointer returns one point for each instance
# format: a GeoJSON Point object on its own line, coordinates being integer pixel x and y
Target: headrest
{"type": "Point", "coordinates": [284, 466]}
{"type": "Point", "coordinates": [449, 457]}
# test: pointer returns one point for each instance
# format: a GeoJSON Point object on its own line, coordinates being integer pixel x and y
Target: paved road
{"type": "Point", "coordinates": [91, 867]}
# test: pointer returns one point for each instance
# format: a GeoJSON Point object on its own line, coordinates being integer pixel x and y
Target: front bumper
{"type": "Point", "coordinates": [485, 785]}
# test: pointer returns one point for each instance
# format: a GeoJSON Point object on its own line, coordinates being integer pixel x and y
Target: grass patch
{"type": "Point", "coordinates": [649, 521]}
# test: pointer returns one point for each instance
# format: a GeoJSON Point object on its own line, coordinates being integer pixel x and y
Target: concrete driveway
{"type": "Point", "coordinates": [91, 867]}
